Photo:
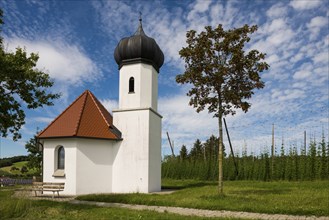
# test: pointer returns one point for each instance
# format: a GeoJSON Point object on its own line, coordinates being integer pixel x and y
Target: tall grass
{"type": "Point", "coordinates": [13, 208]}
{"type": "Point", "coordinates": [23, 208]}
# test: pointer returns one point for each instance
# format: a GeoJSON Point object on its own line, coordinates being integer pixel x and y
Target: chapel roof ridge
{"type": "Point", "coordinates": [42, 131]}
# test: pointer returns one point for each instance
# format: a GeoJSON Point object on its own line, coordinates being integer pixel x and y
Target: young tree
{"type": "Point", "coordinates": [196, 152]}
{"type": "Point", "coordinates": [312, 160]}
{"type": "Point", "coordinates": [282, 163]}
{"type": "Point", "coordinates": [211, 148]}
{"type": "Point", "coordinates": [35, 155]}
{"type": "Point", "coordinates": [223, 75]}
{"type": "Point", "coordinates": [183, 153]}
{"type": "Point", "coordinates": [20, 84]}
{"type": "Point", "coordinates": [323, 172]}
{"type": "Point", "coordinates": [198, 149]}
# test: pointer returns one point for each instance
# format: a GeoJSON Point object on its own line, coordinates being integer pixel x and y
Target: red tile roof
{"type": "Point", "coordinates": [85, 117]}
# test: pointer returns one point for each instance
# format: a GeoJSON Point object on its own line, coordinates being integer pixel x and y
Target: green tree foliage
{"type": "Point", "coordinates": [21, 85]}
{"type": "Point", "coordinates": [327, 147]}
{"type": "Point", "coordinates": [183, 153]}
{"type": "Point", "coordinates": [312, 160]}
{"type": "Point", "coordinates": [211, 148]}
{"type": "Point", "coordinates": [35, 155]}
{"type": "Point", "coordinates": [13, 168]}
{"type": "Point", "coordinates": [223, 75]}
{"type": "Point", "coordinates": [196, 153]}
{"type": "Point", "coordinates": [324, 159]}
{"type": "Point", "coordinates": [24, 169]}
{"type": "Point", "coordinates": [282, 163]}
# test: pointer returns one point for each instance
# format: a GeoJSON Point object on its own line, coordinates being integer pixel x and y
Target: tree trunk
{"type": "Point", "coordinates": [220, 155]}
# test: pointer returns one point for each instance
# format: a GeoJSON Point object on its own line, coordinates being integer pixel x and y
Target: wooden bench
{"type": "Point", "coordinates": [47, 187]}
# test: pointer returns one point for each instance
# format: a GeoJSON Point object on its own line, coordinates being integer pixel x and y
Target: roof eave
{"type": "Point", "coordinates": [98, 138]}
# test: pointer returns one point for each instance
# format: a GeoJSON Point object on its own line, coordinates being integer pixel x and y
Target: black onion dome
{"type": "Point", "coordinates": [139, 48]}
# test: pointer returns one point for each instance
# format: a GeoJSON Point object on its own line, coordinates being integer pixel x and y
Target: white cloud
{"type": "Point", "coordinates": [176, 110]}
{"type": "Point", "coordinates": [201, 6]}
{"type": "Point", "coordinates": [43, 119]}
{"type": "Point", "coordinates": [275, 25]}
{"type": "Point", "coordinates": [321, 57]}
{"type": "Point", "coordinates": [272, 59]}
{"type": "Point", "coordinates": [109, 104]}
{"type": "Point", "coordinates": [292, 94]}
{"type": "Point", "coordinates": [299, 85]}
{"type": "Point", "coordinates": [287, 94]}
{"type": "Point", "coordinates": [316, 24]}
{"type": "Point", "coordinates": [281, 36]}
{"type": "Point", "coordinates": [226, 14]}
{"type": "Point", "coordinates": [305, 4]}
{"type": "Point", "coordinates": [318, 21]}
{"type": "Point", "coordinates": [216, 11]}
{"type": "Point", "coordinates": [183, 123]}
{"type": "Point", "coordinates": [277, 10]}
{"type": "Point", "coordinates": [297, 57]}
{"type": "Point", "coordinates": [197, 16]}
{"type": "Point", "coordinates": [302, 74]}
{"type": "Point", "coordinates": [65, 63]}
{"type": "Point", "coordinates": [116, 17]}
{"type": "Point", "coordinates": [277, 38]}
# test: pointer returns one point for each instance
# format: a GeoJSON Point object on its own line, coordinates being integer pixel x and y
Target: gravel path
{"type": "Point", "coordinates": [200, 212]}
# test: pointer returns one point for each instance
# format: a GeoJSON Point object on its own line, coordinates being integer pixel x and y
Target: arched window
{"type": "Point", "coordinates": [60, 158]}
{"type": "Point", "coordinates": [131, 85]}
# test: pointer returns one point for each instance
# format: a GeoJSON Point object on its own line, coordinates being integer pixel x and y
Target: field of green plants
{"type": "Point", "coordinates": [201, 163]}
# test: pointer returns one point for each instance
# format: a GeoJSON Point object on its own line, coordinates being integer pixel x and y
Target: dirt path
{"type": "Point", "coordinates": [200, 212]}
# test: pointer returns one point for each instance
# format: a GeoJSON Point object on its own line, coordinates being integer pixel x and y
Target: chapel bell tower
{"type": "Point", "coordinates": [138, 155]}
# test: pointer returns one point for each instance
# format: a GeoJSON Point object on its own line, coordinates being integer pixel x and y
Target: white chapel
{"type": "Point", "coordinates": [92, 151]}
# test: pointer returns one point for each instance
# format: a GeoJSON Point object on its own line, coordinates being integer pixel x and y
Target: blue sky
{"type": "Point", "coordinates": [76, 40]}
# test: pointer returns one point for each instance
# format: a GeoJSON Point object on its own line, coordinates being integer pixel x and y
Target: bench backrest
{"type": "Point", "coordinates": [48, 185]}
{"type": "Point", "coordinates": [37, 185]}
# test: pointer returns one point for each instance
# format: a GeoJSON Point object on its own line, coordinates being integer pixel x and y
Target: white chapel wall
{"type": "Point", "coordinates": [130, 166]}
{"type": "Point", "coordinates": [126, 99]}
{"type": "Point", "coordinates": [146, 86]}
{"type": "Point", "coordinates": [94, 166]}
{"type": "Point", "coordinates": [149, 87]}
{"type": "Point", "coordinates": [155, 153]}
{"type": "Point", "coordinates": [49, 163]}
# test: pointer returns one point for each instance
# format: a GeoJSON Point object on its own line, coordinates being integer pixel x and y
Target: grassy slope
{"type": "Point", "coordinates": [13, 208]}
{"type": "Point", "coordinates": [19, 165]}
{"type": "Point", "coordinates": [297, 198]}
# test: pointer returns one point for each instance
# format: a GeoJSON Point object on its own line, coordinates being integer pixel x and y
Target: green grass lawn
{"type": "Point", "coordinates": [296, 198]}
{"type": "Point", "coordinates": [21, 208]}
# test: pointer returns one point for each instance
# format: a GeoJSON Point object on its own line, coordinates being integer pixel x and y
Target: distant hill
{"type": "Point", "coordinates": [16, 167]}
{"type": "Point", "coordinates": [8, 161]}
